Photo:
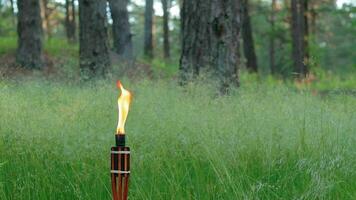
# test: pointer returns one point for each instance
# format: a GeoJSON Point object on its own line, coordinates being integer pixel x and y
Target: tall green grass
{"type": "Point", "coordinates": [261, 142]}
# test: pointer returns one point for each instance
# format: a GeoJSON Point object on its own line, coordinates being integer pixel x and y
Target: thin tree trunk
{"type": "Point", "coordinates": [209, 30]}
{"type": "Point", "coordinates": [74, 25]}
{"type": "Point", "coordinates": [248, 43]}
{"type": "Point", "coordinates": [73, 15]}
{"type": "Point", "coordinates": [48, 22]}
{"type": "Point", "coordinates": [272, 39]}
{"type": "Point", "coordinates": [13, 12]}
{"type": "Point", "coordinates": [297, 37]}
{"type": "Point", "coordinates": [121, 28]}
{"type": "Point", "coordinates": [70, 21]}
{"type": "Point", "coordinates": [313, 16]}
{"type": "Point", "coordinates": [45, 18]}
{"type": "Point", "coordinates": [29, 30]}
{"type": "Point", "coordinates": [94, 45]}
{"type": "Point", "coordinates": [306, 33]}
{"type": "Point", "coordinates": [166, 46]}
{"type": "Point", "coordinates": [148, 43]}
{"type": "Point", "coordinates": [67, 20]}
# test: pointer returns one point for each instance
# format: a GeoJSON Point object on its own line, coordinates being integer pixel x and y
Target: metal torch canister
{"type": "Point", "coordinates": [120, 168]}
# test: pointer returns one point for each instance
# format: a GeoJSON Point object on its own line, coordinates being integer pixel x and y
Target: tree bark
{"type": "Point", "coordinates": [272, 39]}
{"type": "Point", "coordinates": [298, 47]}
{"type": "Point", "coordinates": [166, 46]}
{"type": "Point", "coordinates": [248, 43]}
{"type": "Point", "coordinates": [305, 16]}
{"type": "Point", "coordinates": [121, 28]}
{"type": "Point", "coordinates": [29, 30]}
{"type": "Point", "coordinates": [70, 23]}
{"type": "Point", "coordinates": [313, 16]}
{"type": "Point", "coordinates": [45, 12]}
{"type": "Point", "coordinates": [13, 12]}
{"type": "Point", "coordinates": [210, 35]}
{"type": "Point", "coordinates": [94, 46]}
{"type": "Point", "coordinates": [148, 43]}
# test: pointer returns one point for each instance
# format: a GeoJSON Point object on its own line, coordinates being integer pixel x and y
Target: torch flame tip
{"type": "Point", "coordinates": [118, 84]}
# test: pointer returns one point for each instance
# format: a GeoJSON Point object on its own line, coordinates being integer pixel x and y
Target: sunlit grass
{"type": "Point", "coordinates": [262, 142]}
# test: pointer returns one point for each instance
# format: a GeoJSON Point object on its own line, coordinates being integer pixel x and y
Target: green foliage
{"type": "Point", "coordinates": [7, 45]}
{"type": "Point", "coordinates": [265, 141]}
{"type": "Point", "coordinates": [55, 47]}
{"type": "Point", "coordinates": [61, 48]}
{"type": "Point", "coordinates": [7, 21]}
{"type": "Point", "coordinates": [331, 46]}
{"type": "Point", "coordinates": [161, 67]}
{"type": "Point", "coordinates": [328, 81]}
{"type": "Point", "coordinates": [335, 45]}
{"type": "Point", "coordinates": [137, 23]}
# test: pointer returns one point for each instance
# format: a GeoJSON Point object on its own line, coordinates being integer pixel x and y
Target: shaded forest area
{"type": "Point", "coordinates": [292, 39]}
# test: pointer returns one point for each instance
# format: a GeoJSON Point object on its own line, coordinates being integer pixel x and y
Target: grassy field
{"type": "Point", "coordinates": [262, 142]}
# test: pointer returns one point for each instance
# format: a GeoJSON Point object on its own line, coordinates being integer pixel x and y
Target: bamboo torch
{"type": "Point", "coordinates": [120, 154]}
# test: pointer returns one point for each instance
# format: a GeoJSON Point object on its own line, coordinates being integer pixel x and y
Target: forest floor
{"type": "Point", "coordinates": [270, 139]}
{"type": "Point", "coordinates": [61, 64]}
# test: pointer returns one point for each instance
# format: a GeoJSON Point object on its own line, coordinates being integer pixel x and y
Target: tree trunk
{"type": "Point", "coordinates": [29, 30]}
{"type": "Point", "coordinates": [94, 46]}
{"type": "Point", "coordinates": [166, 47]}
{"type": "Point", "coordinates": [68, 19]}
{"type": "Point", "coordinates": [13, 12]}
{"type": "Point", "coordinates": [45, 12]}
{"type": "Point", "coordinates": [210, 35]}
{"type": "Point", "coordinates": [249, 48]}
{"type": "Point", "coordinates": [313, 16]}
{"type": "Point", "coordinates": [73, 21]}
{"type": "Point", "coordinates": [121, 28]}
{"type": "Point", "coordinates": [70, 23]}
{"type": "Point", "coordinates": [148, 43]}
{"type": "Point", "coordinates": [297, 37]}
{"type": "Point", "coordinates": [272, 40]}
{"type": "Point", "coordinates": [305, 16]}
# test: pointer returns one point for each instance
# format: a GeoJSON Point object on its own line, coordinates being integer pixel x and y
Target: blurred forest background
{"type": "Point", "coordinates": [232, 99]}
{"type": "Point", "coordinates": [286, 39]}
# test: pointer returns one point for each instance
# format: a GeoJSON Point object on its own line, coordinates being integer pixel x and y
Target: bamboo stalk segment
{"type": "Point", "coordinates": [120, 172]}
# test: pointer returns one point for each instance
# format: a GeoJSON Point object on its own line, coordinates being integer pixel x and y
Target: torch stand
{"type": "Point", "coordinates": [120, 169]}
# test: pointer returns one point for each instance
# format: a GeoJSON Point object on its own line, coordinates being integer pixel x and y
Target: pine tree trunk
{"type": "Point", "coordinates": [272, 39]}
{"type": "Point", "coordinates": [73, 22]}
{"type": "Point", "coordinates": [13, 12]}
{"type": "Point", "coordinates": [166, 46]}
{"type": "Point", "coordinates": [148, 43]}
{"type": "Point", "coordinates": [248, 43]}
{"type": "Point", "coordinates": [195, 32]}
{"type": "Point", "coordinates": [70, 21]}
{"type": "Point", "coordinates": [29, 30]}
{"type": "Point", "coordinates": [45, 18]}
{"type": "Point", "coordinates": [121, 28]}
{"type": "Point", "coordinates": [313, 16]}
{"type": "Point", "coordinates": [297, 37]}
{"type": "Point", "coordinates": [67, 19]}
{"type": "Point", "coordinates": [210, 35]}
{"type": "Point", "coordinates": [94, 46]}
{"type": "Point", "coordinates": [305, 16]}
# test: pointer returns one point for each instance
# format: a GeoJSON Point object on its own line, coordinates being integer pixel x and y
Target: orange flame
{"type": "Point", "coordinates": [123, 105]}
